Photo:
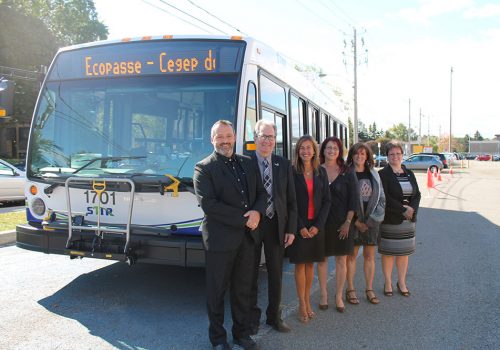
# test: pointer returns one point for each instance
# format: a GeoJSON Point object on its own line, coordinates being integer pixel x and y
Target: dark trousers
{"type": "Point", "coordinates": [273, 251]}
{"type": "Point", "coordinates": [229, 270]}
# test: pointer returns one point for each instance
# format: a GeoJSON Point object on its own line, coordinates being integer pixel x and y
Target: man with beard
{"type": "Point", "coordinates": [230, 192]}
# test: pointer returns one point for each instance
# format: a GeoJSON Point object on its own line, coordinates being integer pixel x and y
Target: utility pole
{"type": "Point", "coordinates": [354, 44]}
{"type": "Point", "coordinates": [428, 129]}
{"type": "Point", "coordinates": [409, 122]}
{"type": "Point", "coordinates": [451, 87]}
{"type": "Point", "coordinates": [420, 128]}
{"type": "Point", "coordinates": [355, 123]}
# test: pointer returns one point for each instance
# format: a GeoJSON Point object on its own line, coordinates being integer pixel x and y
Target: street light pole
{"type": "Point", "coordinates": [355, 122]}
{"type": "Point", "coordinates": [451, 95]}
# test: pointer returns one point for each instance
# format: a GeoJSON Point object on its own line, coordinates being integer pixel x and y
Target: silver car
{"type": "Point", "coordinates": [423, 162]}
{"type": "Point", "coordinates": [12, 181]}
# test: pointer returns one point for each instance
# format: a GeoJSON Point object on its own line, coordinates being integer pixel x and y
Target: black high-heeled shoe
{"type": "Point", "coordinates": [339, 308]}
{"type": "Point", "coordinates": [388, 293]}
{"type": "Point", "coordinates": [405, 294]}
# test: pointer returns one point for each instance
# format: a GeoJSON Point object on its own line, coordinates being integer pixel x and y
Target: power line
{"type": "Point", "coordinates": [221, 20]}
{"type": "Point", "coordinates": [187, 14]}
{"type": "Point", "coordinates": [344, 12]}
{"type": "Point", "coordinates": [173, 15]}
{"type": "Point", "coordinates": [335, 13]}
{"type": "Point", "coordinates": [323, 19]}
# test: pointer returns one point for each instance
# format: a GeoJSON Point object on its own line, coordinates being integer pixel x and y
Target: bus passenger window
{"type": "Point", "coordinates": [272, 94]}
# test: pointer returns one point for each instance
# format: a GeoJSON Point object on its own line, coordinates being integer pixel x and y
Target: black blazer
{"type": "Point", "coordinates": [284, 199]}
{"type": "Point", "coordinates": [394, 195]}
{"type": "Point", "coordinates": [219, 196]}
{"type": "Point", "coordinates": [321, 194]}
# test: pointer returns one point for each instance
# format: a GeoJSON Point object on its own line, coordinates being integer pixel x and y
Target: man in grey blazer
{"type": "Point", "coordinates": [277, 227]}
{"type": "Point", "coordinates": [230, 192]}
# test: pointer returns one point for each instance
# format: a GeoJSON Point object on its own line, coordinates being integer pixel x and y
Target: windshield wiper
{"type": "Point", "coordinates": [105, 159]}
{"type": "Point", "coordinates": [50, 189]}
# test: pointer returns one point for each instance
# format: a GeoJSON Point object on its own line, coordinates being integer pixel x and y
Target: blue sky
{"type": "Point", "coordinates": [411, 46]}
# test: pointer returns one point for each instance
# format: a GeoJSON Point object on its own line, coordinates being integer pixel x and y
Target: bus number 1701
{"type": "Point", "coordinates": [91, 197]}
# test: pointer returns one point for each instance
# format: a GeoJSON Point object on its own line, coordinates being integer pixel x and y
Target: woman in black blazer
{"type": "Point", "coordinates": [397, 232]}
{"type": "Point", "coordinates": [313, 205]}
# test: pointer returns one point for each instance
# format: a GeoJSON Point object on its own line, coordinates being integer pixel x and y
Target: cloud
{"type": "Point", "coordinates": [432, 8]}
{"type": "Point", "coordinates": [486, 11]}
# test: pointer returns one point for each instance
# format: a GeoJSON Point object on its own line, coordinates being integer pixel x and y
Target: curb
{"type": "Point", "coordinates": [7, 237]}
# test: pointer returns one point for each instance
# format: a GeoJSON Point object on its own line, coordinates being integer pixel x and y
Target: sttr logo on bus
{"type": "Point", "coordinates": [95, 210]}
{"type": "Point", "coordinates": [188, 63]}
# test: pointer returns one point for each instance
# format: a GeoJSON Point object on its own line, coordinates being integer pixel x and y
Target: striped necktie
{"type": "Point", "coordinates": [268, 185]}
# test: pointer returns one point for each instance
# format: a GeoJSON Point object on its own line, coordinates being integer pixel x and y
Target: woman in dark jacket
{"type": "Point", "coordinates": [313, 204]}
{"type": "Point", "coordinates": [397, 232]}
{"type": "Point", "coordinates": [338, 242]}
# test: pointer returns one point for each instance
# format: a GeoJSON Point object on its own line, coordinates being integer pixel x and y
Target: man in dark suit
{"type": "Point", "coordinates": [277, 227]}
{"type": "Point", "coordinates": [230, 192]}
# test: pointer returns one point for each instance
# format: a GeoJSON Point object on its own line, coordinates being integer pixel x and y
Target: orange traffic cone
{"type": "Point", "coordinates": [439, 175]}
{"type": "Point", "coordinates": [451, 170]}
{"type": "Point", "coordinates": [434, 172]}
{"type": "Point", "coordinates": [430, 180]}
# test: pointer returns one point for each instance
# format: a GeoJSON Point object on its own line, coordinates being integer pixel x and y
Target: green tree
{"type": "Point", "coordinates": [29, 44]}
{"type": "Point", "coordinates": [373, 133]}
{"type": "Point", "coordinates": [70, 21]}
{"type": "Point", "coordinates": [362, 132]}
{"type": "Point", "coordinates": [400, 132]}
{"type": "Point", "coordinates": [477, 136]}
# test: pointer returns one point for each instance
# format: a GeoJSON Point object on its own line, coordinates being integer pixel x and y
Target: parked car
{"type": "Point", "coordinates": [380, 161]}
{"type": "Point", "coordinates": [423, 162]}
{"type": "Point", "coordinates": [441, 156]}
{"type": "Point", "coordinates": [484, 157]}
{"type": "Point", "coordinates": [12, 181]}
{"type": "Point", "coordinates": [496, 158]}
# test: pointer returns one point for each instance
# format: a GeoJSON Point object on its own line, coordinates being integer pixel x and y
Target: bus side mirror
{"type": "Point", "coordinates": [6, 98]}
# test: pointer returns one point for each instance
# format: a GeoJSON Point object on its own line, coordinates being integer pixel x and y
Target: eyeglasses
{"type": "Point", "coordinates": [268, 138]}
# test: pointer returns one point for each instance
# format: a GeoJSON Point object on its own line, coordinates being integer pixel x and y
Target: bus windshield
{"type": "Point", "coordinates": [152, 125]}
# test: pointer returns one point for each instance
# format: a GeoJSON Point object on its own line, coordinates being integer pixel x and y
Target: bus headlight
{"type": "Point", "coordinates": [38, 206]}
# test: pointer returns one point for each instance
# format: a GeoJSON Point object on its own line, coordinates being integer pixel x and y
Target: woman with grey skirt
{"type": "Point", "coordinates": [397, 232]}
{"type": "Point", "coordinates": [368, 215]}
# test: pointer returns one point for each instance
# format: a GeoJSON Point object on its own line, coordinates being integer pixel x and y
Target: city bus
{"type": "Point", "coordinates": [119, 126]}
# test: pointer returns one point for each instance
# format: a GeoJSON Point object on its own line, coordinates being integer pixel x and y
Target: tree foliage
{"type": "Point", "coordinates": [25, 43]}
{"type": "Point", "coordinates": [31, 33]}
{"type": "Point", "coordinates": [477, 136]}
{"type": "Point", "coordinates": [70, 21]}
{"type": "Point", "coordinates": [400, 132]}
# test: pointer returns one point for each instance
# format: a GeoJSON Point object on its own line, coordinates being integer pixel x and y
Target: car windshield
{"type": "Point", "coordinates": [141, 125]}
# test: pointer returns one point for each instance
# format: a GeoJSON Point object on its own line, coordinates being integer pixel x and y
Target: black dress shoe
{"type": "Point", "coordinates": [223, 346]}
{"type": "Point", "coordinates": [280, 326]}
{"type": "Point", "coordinates": [246, 343]}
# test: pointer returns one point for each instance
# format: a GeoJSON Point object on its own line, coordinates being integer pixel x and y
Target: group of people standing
{"type": "Point", "coordinates": [316, 207]}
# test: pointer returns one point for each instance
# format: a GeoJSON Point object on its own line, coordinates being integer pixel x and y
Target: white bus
{"type": "Point", "coordinates": [119, 126]}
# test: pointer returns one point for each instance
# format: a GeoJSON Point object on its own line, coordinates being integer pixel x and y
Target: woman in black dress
{"type": "Point", "coordinates": [313, 204]}
{"type": "Point", "coordinates": [370, 208]}
{"type": "Point", "coordinates": [397, 232]}
{"type": "Point", "coordinates": [338, 242]}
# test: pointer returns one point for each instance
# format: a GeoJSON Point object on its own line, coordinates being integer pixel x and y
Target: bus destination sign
{"type": "Point", "coordinates": [177, 62]}
{"type": "Point", "coordinates": [149, 58]}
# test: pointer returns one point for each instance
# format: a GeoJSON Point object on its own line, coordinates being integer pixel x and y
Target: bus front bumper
{"type": "Point", "coordinates": [172, 250]}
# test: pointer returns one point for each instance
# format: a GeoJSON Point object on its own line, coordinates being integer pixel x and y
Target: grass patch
{"type": "Point", "coordinates": [8, 221]}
